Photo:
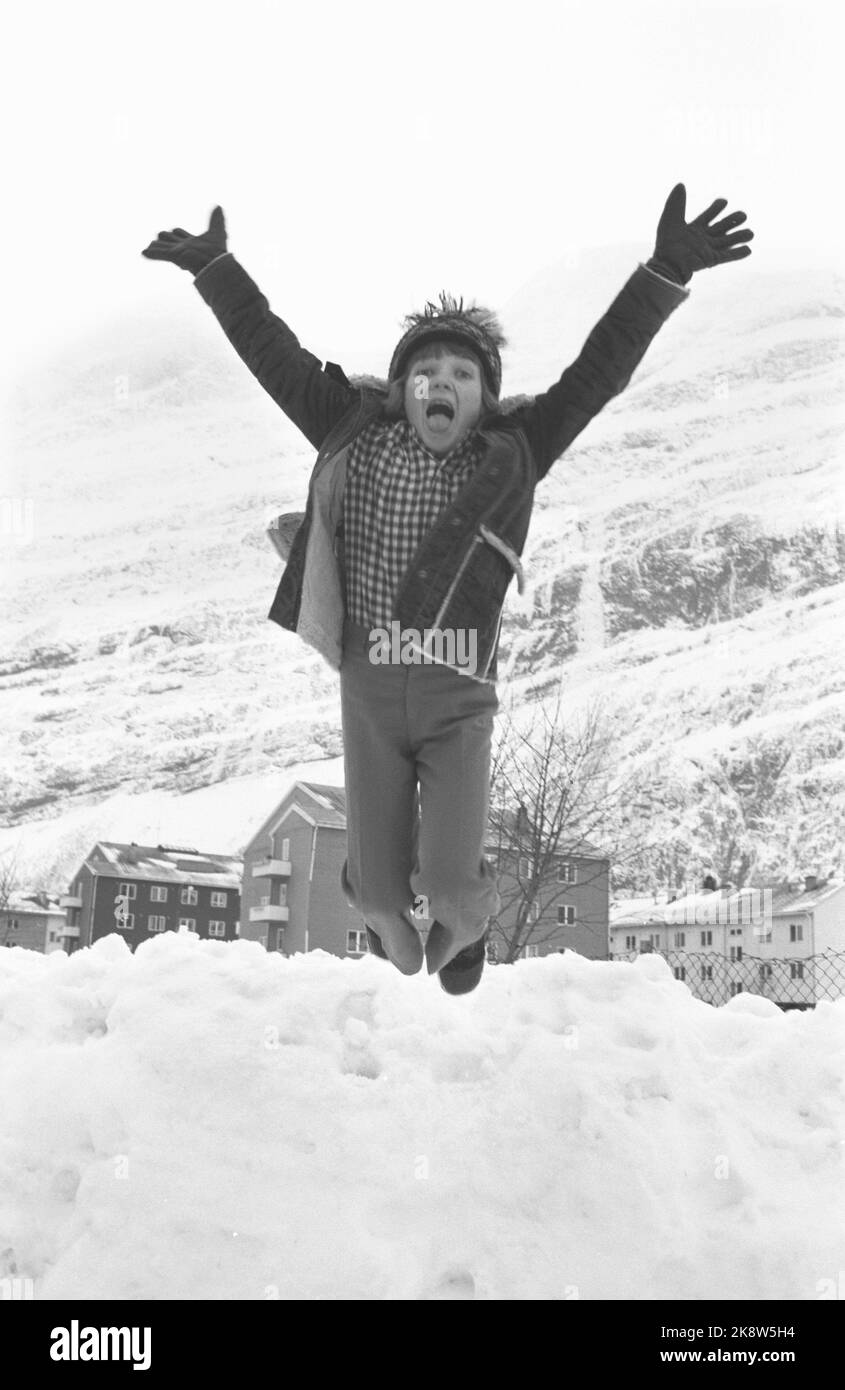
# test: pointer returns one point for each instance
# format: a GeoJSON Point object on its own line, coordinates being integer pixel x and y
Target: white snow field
{"type": "Point", "coordinates": [203, 1120]}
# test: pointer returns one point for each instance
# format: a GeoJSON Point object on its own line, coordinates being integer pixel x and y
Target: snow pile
{"type": "Point", "coordinates": [203, 1120]}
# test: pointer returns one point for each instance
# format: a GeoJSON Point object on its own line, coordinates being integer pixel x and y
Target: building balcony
{"type": "Point", "coordinates": [68, 931]}
{"type": "Point", "coordinates": [270, 912]}
{"type": "Point", "coordinates": [70, 900]}
{"type": "Point", "coordinates": [272, 868]}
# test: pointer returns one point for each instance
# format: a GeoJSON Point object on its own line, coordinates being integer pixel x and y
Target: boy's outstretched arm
{"type": "Point", "coordinates": [289, 373]}
{"type": "Point", "coordinates": [620, 339]}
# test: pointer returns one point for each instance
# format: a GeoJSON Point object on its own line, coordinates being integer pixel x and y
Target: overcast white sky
{"type": "Point", "coordinates": [367, 154]}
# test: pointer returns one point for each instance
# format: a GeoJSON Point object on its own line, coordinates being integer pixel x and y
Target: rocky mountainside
{"type": "Point", "coordinates": [686, 565]}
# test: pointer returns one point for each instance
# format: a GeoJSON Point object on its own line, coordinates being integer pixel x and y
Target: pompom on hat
{"type": "Point", "coordinates": [475, 327]}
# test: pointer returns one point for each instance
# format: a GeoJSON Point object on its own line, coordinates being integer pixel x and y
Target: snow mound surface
{"type": "Point", "coordinates": [203, 1120]}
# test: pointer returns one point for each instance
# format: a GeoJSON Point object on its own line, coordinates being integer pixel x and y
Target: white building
{"type": "Point", "coordinates": [783, 941]}
{"type": "Point", "coordinates": [34, 922]}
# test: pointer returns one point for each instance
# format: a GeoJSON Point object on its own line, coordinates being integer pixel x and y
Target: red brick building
{"type": "Point", "coordinates": [292, 899]}
{"type": "Point", "coordinates": [569, 908]}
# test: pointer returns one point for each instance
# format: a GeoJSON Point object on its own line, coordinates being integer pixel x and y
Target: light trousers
{"type": "Point", "coordinates": [417, 748]}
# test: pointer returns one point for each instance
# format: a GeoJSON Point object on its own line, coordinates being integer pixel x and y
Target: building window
{"type": "Point", "coordinates": [188, 896]}
{"type": "Point", "coordinates": [530, 952]}
{"type": "Point", "coordinates": [187, 923]}
{"type": "Point", "coordinates": [736, 988]}
{"type": "Point", "coordinates": [126, 922]}
{"type": "Point", "coordinates": [736, 953]}
{"type": "Point", "coordinates": [707, 972]}
{"type": "Point", "coordinates": [566, 872]}
{"type": "Point", "coordinates": [356, 943]}
{"type": "Point", "coordinates": [796, 970]}
{"type": "Point", "coordinates": [566, 915]}
{"type": "Point", "coordinates": [218, 899]}
{"type": "Point", "coordinates": [534, 912]}
{"type": "Point", "coordinates": [680, 972]}
{"type": "Point", "coordinates": [765, 972]}
{"type": "Point", "coordinates": [216, 927]}
{"type": "Point", "coordinates": [283, 895]}
{"type": "Point", "coordinates": [796, 931]}
{"type": "Point", "coordinates": [763, 936]}
{"type": "Point", "coordinates": [680, 938]}
{"type": "Point", "coordinates": [707, 938]}
{"type": "Point", "coordinates": [523, 868]}
{"type": "Point", "coordinates": [280, 939]}
{"type": "Point", "coordinates": [158, 895]}
{"type": "Point", "coordinates": [156, 923]}
{"type": "Point", "coordinates": [654, 939]}
{"type": "Point", "coordinates": [13, 924]}
{"type": "Point", "coordinates": [127, 890]}
{"type": "Point", "coordinates": [286, 849]}
{"type": "Point", "coordinates": [630, 943]}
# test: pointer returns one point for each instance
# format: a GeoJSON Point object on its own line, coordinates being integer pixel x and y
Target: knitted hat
{"type": "Point", "coordinates": [474, 327]}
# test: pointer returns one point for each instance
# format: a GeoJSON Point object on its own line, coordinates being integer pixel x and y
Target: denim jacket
{"type": "Point", "coordinates": [460, 573]}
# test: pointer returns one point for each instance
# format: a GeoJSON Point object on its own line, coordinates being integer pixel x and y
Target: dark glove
{"type": "Point", "coordinates": [190, 253]}
{"type": "Point", "coordinates": [683, 247]}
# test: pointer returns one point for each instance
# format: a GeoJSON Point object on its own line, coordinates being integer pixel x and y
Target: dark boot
{"type": "Point", "coordinates": [374, 942]}
{"type": "Point", "coordinates": [464, 970]}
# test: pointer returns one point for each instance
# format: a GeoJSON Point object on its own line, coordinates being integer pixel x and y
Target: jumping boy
{"type": "Point", "coordinates": [418, 509]}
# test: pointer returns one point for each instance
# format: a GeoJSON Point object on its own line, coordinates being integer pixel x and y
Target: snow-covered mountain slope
{"type": "Point", "coordinates": [686, 564]}
{"type": "Point", "coordinates": [203, 1120]}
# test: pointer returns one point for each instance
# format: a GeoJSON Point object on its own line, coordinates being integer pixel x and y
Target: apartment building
{"type": "Point", "coordinates": [785, 941]}
{"type": "Point", "coordinates": [293, 900]}
{"type": "Point", "coordinates": [142, 890]}
{"type": "Point", "coordinates": [569, 908]}
{"type": "Point", "coordinates": [33, 921]}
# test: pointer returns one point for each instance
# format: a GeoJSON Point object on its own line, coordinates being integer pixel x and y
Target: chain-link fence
{"type": "Point", "coordinates": [795, 983]}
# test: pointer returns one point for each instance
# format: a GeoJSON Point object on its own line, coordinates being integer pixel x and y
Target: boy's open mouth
{"type": "Point", "coordinates": [440, 408]}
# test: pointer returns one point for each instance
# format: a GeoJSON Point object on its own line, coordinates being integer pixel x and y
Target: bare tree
{"type": "Point", "coordinates": [10, 883]}
{"type": "Point", "coordinates": [554, 792]}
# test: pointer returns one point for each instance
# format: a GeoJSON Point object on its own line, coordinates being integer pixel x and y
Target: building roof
{"type": "Point", "coordinates": [325, 804]}
{"type": "Point", "coordinates": [579, 849]}
{"type": "Point", "coordinates": [725, 905]}
{"type": "Point", "coordinates": [512, 820]}
{"type": "Point", "coordinates": [165, 864]}
{"type": "Point", "coordinates": [631, 910]}
{"type": "Point", "coordinates": [22, 903]}
{"type": "Point", "coordinates": [329, 805]}
{"type": "Point", "coordinates": [788, 901]}
{"type": "Point", "coordinates": [331, 800]}
{"type": "Point", "coordinates": [703, 908]}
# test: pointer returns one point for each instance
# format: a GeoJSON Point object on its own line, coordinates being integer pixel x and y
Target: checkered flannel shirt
{"type": "Point", "coordinates": [395, 491]}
